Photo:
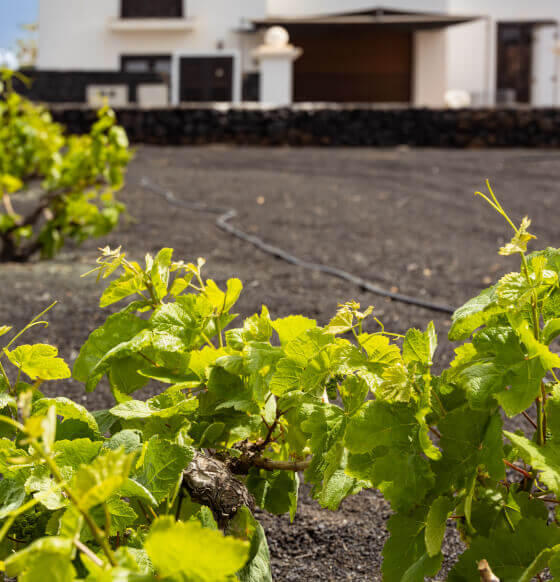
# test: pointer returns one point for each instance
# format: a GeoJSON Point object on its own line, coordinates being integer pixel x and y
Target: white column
{"type": "Point", "coordinates": [276, 61]}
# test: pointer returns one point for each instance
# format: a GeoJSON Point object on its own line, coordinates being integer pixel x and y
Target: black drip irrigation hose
{"type": "Point", "coordinates": [226, 215]}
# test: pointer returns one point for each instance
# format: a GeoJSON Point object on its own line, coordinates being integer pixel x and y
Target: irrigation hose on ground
{"type": "Point", "coordinates": [226, 215]}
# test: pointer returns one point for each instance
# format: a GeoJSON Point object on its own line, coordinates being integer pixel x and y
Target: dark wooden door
{"type": "Point", "coordinates": [206, 79]}
{"type": "Point", "coordinates": [515, 56]}
{"type": "Point", "coordinates": [347, 64]}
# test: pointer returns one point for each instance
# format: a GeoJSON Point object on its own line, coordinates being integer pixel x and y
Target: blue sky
{"type": "Point", "coordinates": [14, 13]}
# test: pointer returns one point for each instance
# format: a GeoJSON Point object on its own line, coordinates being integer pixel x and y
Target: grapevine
{"type": "Point", "coordinates": [245, 408]}
{"type": "Point", "coordinates": [55, 187]}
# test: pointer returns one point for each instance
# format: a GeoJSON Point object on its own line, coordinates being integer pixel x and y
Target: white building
{"type": "Point", "coordinates": [404, 51]}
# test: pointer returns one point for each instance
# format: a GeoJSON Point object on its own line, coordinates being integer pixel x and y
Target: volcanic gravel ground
{"type": "Point", "coordinates": [404, 219]}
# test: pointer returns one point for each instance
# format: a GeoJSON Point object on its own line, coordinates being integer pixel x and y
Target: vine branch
{"type": "Point", "coordinates": [270, 465]}
{"type": "Point", "coordinates": [521, 471]}
{"type": "Point", "coordinates": [486, 574]}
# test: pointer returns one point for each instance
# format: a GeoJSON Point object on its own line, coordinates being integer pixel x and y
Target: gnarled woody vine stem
{"type": "Point", "coordinates": [212, 482]}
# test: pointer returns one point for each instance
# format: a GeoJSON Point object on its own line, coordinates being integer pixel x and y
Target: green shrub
{"type": "Point", "coordinates": [139, 491]}
{"type": "Point", "coordinates": [75, 177]}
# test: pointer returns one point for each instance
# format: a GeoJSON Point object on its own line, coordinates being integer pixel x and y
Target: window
{"type": "Point", "coordinates": [136, 66]}
{"type": "Point", "coordinates": [147, 64]}
{"type": "Point", "coordinates": [159, 64]}
{"type": "Point", "coordinates": [152, 9]}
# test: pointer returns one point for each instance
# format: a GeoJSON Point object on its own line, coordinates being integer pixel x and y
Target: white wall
{"type": "Point", "coordinates": [510, 10]}
{"type": "Point", "coordinates": [471, 56]}
{"type": "Point", "coordinates": [545, 67]}
{"type": "Point", "coordinates": [430, 68]}
{"type": "Point", "coordinates": [75, 34]}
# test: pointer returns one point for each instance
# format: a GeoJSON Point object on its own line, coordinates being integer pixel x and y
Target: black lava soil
{"type": "Point", "coordinates": [405, 219]}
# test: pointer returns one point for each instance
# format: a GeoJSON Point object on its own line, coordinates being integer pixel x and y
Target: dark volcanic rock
{"type": "Point", "coordinates": [330, 126]}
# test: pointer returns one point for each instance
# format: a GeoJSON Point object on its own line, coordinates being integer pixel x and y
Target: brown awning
{"type": "Point", "coordinates": [374, 18]}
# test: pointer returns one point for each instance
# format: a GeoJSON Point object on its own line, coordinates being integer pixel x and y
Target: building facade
{"type": "Point", "coordinates": [409, 52]}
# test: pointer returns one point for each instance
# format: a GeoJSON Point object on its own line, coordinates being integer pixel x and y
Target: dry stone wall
{"type": "Point", "coordinates": [330, 126]}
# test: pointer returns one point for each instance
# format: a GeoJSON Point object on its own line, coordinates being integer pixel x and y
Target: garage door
{"type": "Point", "coordinates": [349, 64]}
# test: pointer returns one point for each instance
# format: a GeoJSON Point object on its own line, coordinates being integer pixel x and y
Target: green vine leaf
{"type": "Point", "coordinates": [512, 555]}
{"type": "Point", "coordinates": [39, 361]}
{"type": "Point", "coordinates": [436, 523]}
{"type": "Point", "coordinates": [49, 554]}
{"type": "Point", "coordinates": [420, 347]}
{"type": "Point", "coordinates": [244, 526]}
{"type": "Point", "coordinates": [405, 556]}
{"type": "Point", "coordinates": [543, 459]}
{"type": "Point", "coordinates": [189, 550]}
{"type": "Point", "coordinates": [118, 329]}
{"type": "Point", "coordinates": [474, 314]}
{"type": "Point", "coordinates": [378, 424]}
{"type": "Point", "coordinates": [97, 482]}
{"type": "Point", "coordinates": [161, 464]}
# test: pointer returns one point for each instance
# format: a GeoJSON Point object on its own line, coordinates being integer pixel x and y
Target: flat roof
{"type": "Point", "coordinates": [374, 18]}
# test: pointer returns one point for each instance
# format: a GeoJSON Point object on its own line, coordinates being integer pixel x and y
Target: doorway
{"type": "Point", "coordinates": [206, 79]}
{"type": "Point", "coordinates": [515, 62]}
